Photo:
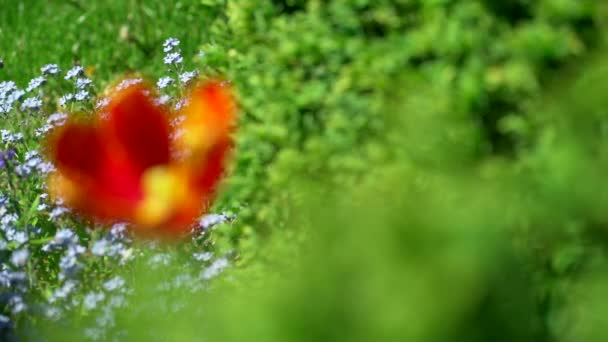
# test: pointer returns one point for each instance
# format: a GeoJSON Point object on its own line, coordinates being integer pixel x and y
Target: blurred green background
{"type": "Point", "coordinates": [420, 170]}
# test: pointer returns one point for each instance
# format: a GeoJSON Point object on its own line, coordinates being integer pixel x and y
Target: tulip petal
{"type": "Point", "coordinates": [78, 150]}
{"type": "Point", "coordinates": [209, 115]}
{"type": "Point", "coordinates": [211, 169]}
{"type": "Point", "coordinates": [80, 154]}
{"type": "Point", "coordinates": [137, 128]}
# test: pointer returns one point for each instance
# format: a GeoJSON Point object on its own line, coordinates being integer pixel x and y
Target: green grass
{"type": "Point", "coordinates": [114, 37]}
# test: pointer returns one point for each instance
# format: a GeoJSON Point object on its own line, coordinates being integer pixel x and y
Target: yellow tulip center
{"type": "Point", "coordinates": [164, 189]}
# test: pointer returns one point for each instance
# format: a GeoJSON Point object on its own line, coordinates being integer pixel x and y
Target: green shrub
{"type": "Point", "coordinates": [315, 77]}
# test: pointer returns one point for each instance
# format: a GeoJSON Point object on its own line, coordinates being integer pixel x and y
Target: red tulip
{"type": "Point", "coordinates": [129, 163]}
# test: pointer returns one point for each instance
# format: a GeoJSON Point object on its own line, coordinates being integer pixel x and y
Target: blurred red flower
{"type": "Point", "coordinates": [130, 164]}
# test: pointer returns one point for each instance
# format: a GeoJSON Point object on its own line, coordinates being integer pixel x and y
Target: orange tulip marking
{"type": "Point", "coordinates": [129, 164]}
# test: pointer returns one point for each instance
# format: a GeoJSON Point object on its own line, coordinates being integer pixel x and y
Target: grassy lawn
{"type": "Point", "coordinates": [112, 37]}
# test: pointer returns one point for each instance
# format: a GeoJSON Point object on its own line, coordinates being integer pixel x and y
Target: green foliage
{"type": "Point", "coordinates": [405, 169]}
{"type": "Point", "coordinates": [313, 79]}
{"type": "Point", "coordinates": [333, 91]}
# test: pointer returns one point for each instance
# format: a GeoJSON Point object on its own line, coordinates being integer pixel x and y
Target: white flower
{"type": "Point", "coordinates": [126, 255]}
{"type": "Point", "coordinates": [5, 107]}
{"type": "Point", "coordinates": [75, 250]}
{"type": "Point", "coordinates": [19, 257]}
{"type": "Point", "coordinates": [204, 256]}
{"type": "Point", "coordinates": [187, 76]}
{"type": "Point", "coordinates": [74, 72]}
{"type": "Point", "coordinates": [58, 211]}
{"type": "Point", "coordinates": [8, 219]}
{"type": "Point", "coordinates": [50, 69]}
{"type": "Point", "coordinates": [162, 259]}
{"type": "Point", "coordinates": [215, 268]}
{"type": "Point", "coordinates": [63, 292]}
{"type": "Point", "coordinates": [69, 267]}
{"type": "Point", "coordinates": [211, 220]}
{"type": "Point", "coordinates": [82, 95]}
{"type": "Point", "coordinates": [63, 100]}
{"type": "Point", "coordinates": [169, 44]}
{"type": "Point", "coordinates": [178, 120]}
{"type": "Point", "coordinates": [56, 118]}
{"type": "Point", "coordinates": [183, 280]}
{"type": "Point", "coordinates": [35, 83]}
{"type": "Point", "coordinates": [163, 82]}
{"type": "Point", "coordinates": [102, 102]}
{"type": "Point", "coordinates": [128, 82]}
{"type": "Point", "coordinates": [91, 299]}
{"type": "Point", "coordinates": [82, 83]}
{"type": "Point", "coordinates": [17, 305]}
{"type": "Point", "coordinates": [32, 103]}
{"type": "Point", "coordinates": [106, 319]}
{"type": "Point", "coordinates": [18, 237]}
{"type": "Point", "coordinates": [173, 58]}
{"type": "Point", "coordinates": [46, 167]}
{"type": "Point", "coordinates": [163, 99]}
{"type": "Point", "coordinates": [114, 284]}
{"type": "Point", "coordinates": [99, 247]}
{"type": "Point", "coordinates": [52, 312]}
{"type": "Point", "coordinates": [181, 103]}
{"type": "Point", "coordinates": [6, 87]}
{"type": "Point", "coordinates": [43, 130]}
{"type": "Point", "coordinates": [118, 230]}
{"type": "Point", "coordinates": [16, 95]}
{"type": "Point", "coordinates": [65, 237]}
{"type": "Point", "coordinates": [8, 137]}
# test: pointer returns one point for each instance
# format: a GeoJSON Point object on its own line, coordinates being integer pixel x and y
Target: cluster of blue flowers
{"type": "Point", "coordinates": [49, 257]}
{"type": "Point", "coordinates": [174, 60]}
